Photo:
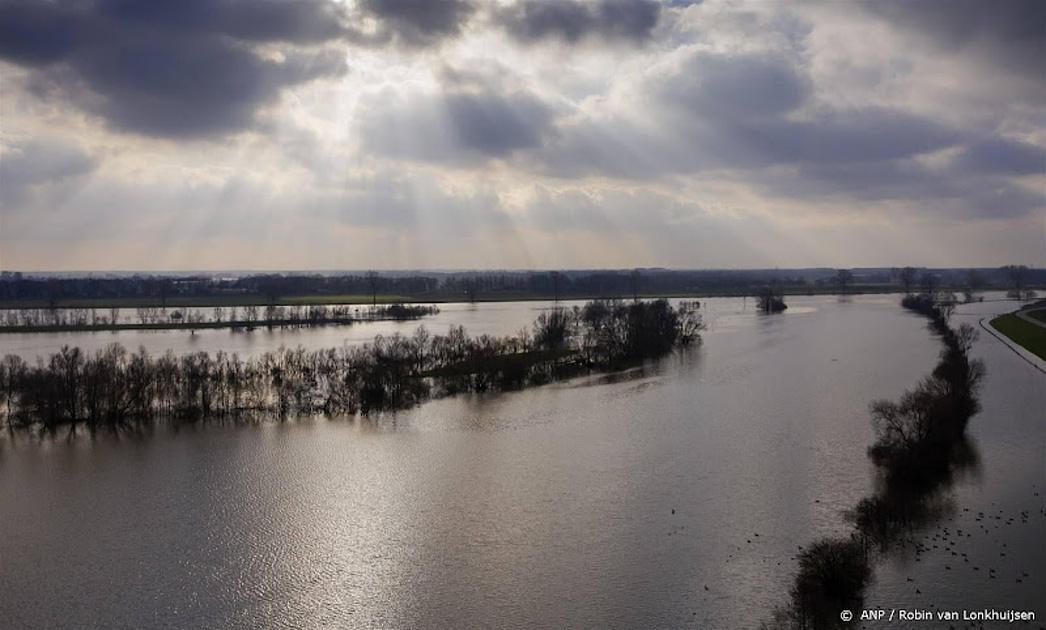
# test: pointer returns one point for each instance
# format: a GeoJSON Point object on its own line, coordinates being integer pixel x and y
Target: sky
{"type": "Point", "coordinates": [413, 134]}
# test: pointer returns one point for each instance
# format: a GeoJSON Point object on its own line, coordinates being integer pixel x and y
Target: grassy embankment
{"type": "Point", "coordinates": [1024, 333]}
{"type": "Point", "coordinates": [437, 297]}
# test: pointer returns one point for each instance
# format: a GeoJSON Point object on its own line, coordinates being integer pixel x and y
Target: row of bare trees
{"type": "Point", "coordinates": [114, 386]}
{"type": "Point", "coordinates": [272, 315]}
{"type": "Point", "coordinates": [921, 443]}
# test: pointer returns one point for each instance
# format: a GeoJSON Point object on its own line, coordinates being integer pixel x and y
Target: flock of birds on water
{"type": "Point", "coordinates": [950, 540]}
{"type": "Point", "coordinates": [1004, 564]}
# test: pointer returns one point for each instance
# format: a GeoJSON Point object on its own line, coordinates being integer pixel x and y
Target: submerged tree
{"type": "Point", "coordinates": [920, 444]}
{"type": "Point", "coordinates": [1018, 278]}
{"type": "Point", "coordinates": [113, 386]}
{"type": "Point", "coordinates": [551, 328]}
{"type": "Point", "coordinates": [770, 299]}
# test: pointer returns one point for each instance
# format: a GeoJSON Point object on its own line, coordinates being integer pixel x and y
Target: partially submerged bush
{"type": "Point", "coordinates": [920, 445]}
{"type": "Point", "coordinates": [832, 576]}
{"type": "Point", "coordinates": [770, 299]}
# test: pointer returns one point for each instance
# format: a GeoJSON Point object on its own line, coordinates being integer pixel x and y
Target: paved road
{"type": "Point", "coordinates": [1028, 318]}
{"type": "Point", "coordinates": [1024, 353]}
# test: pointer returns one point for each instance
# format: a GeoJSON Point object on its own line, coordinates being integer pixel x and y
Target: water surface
{"type": "Point", "coordinates": [551, 507]}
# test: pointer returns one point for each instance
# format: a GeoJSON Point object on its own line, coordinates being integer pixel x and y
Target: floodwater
{"type": "Point", "coordinates": [669, 496]}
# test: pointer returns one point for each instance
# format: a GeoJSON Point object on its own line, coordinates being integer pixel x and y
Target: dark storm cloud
{"type": "Point", "coordinates": [299, 21]}
{"type": "Point", "coordinates": [419, 22]}
{"type": "Point", "coordinates": [1009, 33]}
{"type": "Point", "coordinates": [574, 20]}
{"type": "Point", "coordinates": [176, 69]}
{"type": "Point", "coordinates": [37, 33]}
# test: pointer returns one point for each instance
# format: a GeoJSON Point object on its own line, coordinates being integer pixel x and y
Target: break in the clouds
{"type": "Point", "coordinates": [510, 133]}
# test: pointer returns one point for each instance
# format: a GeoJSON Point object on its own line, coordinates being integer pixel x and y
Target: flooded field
{"type": "Point", "coordinates": [670, 495]}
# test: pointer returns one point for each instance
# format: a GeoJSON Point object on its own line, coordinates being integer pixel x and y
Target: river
{"type": "Point", "coordinates": [668, 496]}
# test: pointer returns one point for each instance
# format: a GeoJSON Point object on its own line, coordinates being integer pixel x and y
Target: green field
{"type": "Point", "coordinates": [1039, 315]}
{"type": "Point", "coordinates": [1025, 334]}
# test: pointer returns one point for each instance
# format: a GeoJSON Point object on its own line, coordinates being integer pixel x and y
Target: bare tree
{"type": "Point", "coordinates": [930, 282]}
{"type": "Point", "coordinates": [113, 386]}
{"type": "Point", "coordinates": [470, 289]}
{"type": "Point", "coordinates": [974, 283]}
{"type": "Point", "coordinates": [770, 299]}
{"type": "Point", "coordinates": [1018, 277]}
{"type": "Point", "coordinates": [372, 281]}
{"type": "Point", "coordinates": [843, 278]}
{"type": "Point", "coordinates": [907, 276]}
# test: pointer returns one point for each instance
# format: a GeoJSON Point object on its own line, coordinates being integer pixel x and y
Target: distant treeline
{"type": "Point", "coordinates": [17, 288]}
{"type": "Point", "coordinates": [921, 444]}
{"type": "Point", "coordinates": [248, 317]}
{"type": "Point", "coordinates": [114, 386]}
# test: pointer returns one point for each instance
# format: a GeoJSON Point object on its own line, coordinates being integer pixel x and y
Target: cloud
{"type": "Point", "coordinates": [588, 131]}
{"type": "Point", "coordinates": [756, 118]}
{"type": "Point", "coordinates": [751, 110]}
{"type": "Point", "coordinates": [1010, 35]}
{"type": "Point", "coordinates": [28, 167]}
{"type": "Point", "coordinates": [946, 192]}
{"type": "Point", "coordinates": [297, 21]}
{"type": "Point", "coordinates": [467, 119]}
{"type": "Point", "coordinates": [419, 22]}
{"type": "Point", "coordinates": [1001, 156]}
{"type": "Point", "coordinates": [158, 69]}
{"type": "Point", "coordinates": [574, 20]}
{"type": "Point", "coordinates": [746, 111]}
{"type": "Point", "coordinates": [734, 87]}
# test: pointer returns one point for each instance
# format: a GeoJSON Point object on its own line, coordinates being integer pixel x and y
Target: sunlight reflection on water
{"type": "Point", "coordinates": [550, 507]}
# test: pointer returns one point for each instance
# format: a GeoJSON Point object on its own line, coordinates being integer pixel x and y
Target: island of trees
{"type": "Point", "coordinates": [113, 386]}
